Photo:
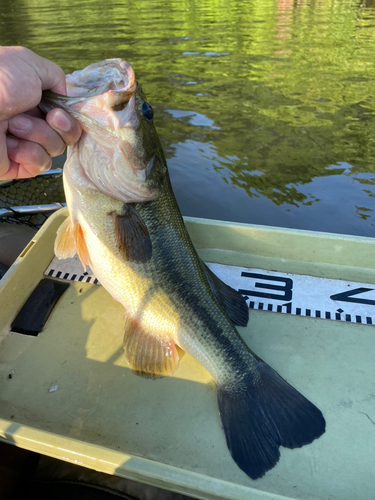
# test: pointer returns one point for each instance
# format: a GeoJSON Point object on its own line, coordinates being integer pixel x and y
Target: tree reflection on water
{"type": "Point", "coordinates": [270, 97]}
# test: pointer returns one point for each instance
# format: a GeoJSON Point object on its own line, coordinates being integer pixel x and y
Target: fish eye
{"type": "Point", "coordinates": [147, 111]}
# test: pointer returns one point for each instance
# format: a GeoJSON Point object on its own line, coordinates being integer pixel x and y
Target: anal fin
{"type": "Point", "coordinates": [148, 355]}
{"type": "Point", "coordinates": [232, 302]}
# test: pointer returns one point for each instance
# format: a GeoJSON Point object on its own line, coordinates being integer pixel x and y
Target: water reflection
{"type": "Point", "coordinates": [349, 196]}
{"type": "Point", "coordinates": [258, 104]}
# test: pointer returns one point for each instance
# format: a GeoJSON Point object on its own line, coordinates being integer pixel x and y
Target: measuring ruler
{"type": "Point", "coordinates": [272, 291]}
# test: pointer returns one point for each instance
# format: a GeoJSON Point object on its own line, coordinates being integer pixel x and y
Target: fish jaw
{"type": "Point", "coordinates": [107, 168]}
{"type": "Point", "coordinates": [99, 119]}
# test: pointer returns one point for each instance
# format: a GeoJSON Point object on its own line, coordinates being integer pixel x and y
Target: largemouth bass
{"type": "Point", "coordinates": [125, 224]}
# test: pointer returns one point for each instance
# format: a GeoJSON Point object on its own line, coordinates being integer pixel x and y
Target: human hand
{"type": "Point", "coordinates": [28, 138]}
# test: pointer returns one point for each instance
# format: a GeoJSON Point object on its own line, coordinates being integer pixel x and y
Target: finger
{"type": "Point", "coordinates": [65, 125]}
{"type": "Point", "coordinates": [4, 160]}
{"type": "Point", "coordinates": [37, 131]}
{"type": "Point", "coordinates": [18, 65]}
{"type": "Point", "coordinates": [30, 156]}
{"type": "Point", "coordinates": [50, 74]}
{"type": "Point", "coordinates": [15, 171]}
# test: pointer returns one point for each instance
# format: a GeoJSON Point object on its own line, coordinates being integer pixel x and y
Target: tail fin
{"type": "Point", "coordinates": [263, 415]}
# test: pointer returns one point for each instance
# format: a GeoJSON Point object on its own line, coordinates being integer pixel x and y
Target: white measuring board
{"type": "Point", "coordinates": [70, 270]}
{"type": "Point", "coordinates": [301, 295]}
{"type": "Point", "coordinates": [272, 291]}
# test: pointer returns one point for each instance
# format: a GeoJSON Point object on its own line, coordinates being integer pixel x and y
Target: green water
{"type": "Point", "coordinates": [265, 108]}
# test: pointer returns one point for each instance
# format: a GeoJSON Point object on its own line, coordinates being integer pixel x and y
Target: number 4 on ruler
{"type": "Point", "coordinates": [348, 296]}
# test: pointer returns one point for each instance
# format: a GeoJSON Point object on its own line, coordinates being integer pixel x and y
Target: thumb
{"type": "Point", "coordinates": [52, 77]}
{"type": "Point", "coordinates": [23, 77]}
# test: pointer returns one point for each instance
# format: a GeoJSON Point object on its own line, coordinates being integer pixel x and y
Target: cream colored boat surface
{"type": "Point", "coordinates": [68, 392]}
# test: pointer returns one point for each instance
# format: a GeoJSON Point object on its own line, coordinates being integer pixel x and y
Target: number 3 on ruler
{"type": "Point", "coordinates": [286, 288]}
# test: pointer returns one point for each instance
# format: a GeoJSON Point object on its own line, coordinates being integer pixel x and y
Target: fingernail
{"type": "Point", "coordinates": [12, 142]}
{"type": "Point", "coordinates": [47, 166]}
{"type": "Point", "coordinates": [61, 121]}
{"type": "Point", "coordinates": [20, 122]}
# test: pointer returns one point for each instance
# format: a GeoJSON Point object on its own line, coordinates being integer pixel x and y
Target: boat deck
{"type": "Point", "coordinates": [68, 393]}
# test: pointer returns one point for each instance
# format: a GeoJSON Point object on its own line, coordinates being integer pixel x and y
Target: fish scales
{"type": "Point", "coordinates": [178, 287]}
{"type": "Point", "coordinates": [180, 275]}
{"type": "Point", "coordinates": [124, 222]}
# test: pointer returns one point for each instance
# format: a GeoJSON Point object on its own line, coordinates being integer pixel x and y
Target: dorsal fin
{"type": "Point", "coordinates": [132, 236]}
{"type": "Point", "coordinates": [148, 354]}
{"type": "Point", "coordinates": [70, 241]}
{"type": "Point", "coordinates": [232, 302]}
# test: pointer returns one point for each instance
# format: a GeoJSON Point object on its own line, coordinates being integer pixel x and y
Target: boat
{"type": "Point", "coordinates": [66, 390]}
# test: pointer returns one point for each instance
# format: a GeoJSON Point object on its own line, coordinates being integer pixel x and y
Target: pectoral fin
{"type": "Point", "coordinates": [148, 355]}
{"type": "Point", "coordinates": [65, 245]}
{"type": "Point", "coordinates": [232, 302]}
{"type": "Point", "coordinates": [132, 236]}
{"type": "Point", "coordinates": [70, 241]}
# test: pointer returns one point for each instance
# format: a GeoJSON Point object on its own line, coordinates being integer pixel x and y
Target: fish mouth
{"type": "Point", "coordinates": [112, 76]}
{"type": "Point", "coordinates": [103, 98]}
{"type": "Point", "coordinates": [109, 83]}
